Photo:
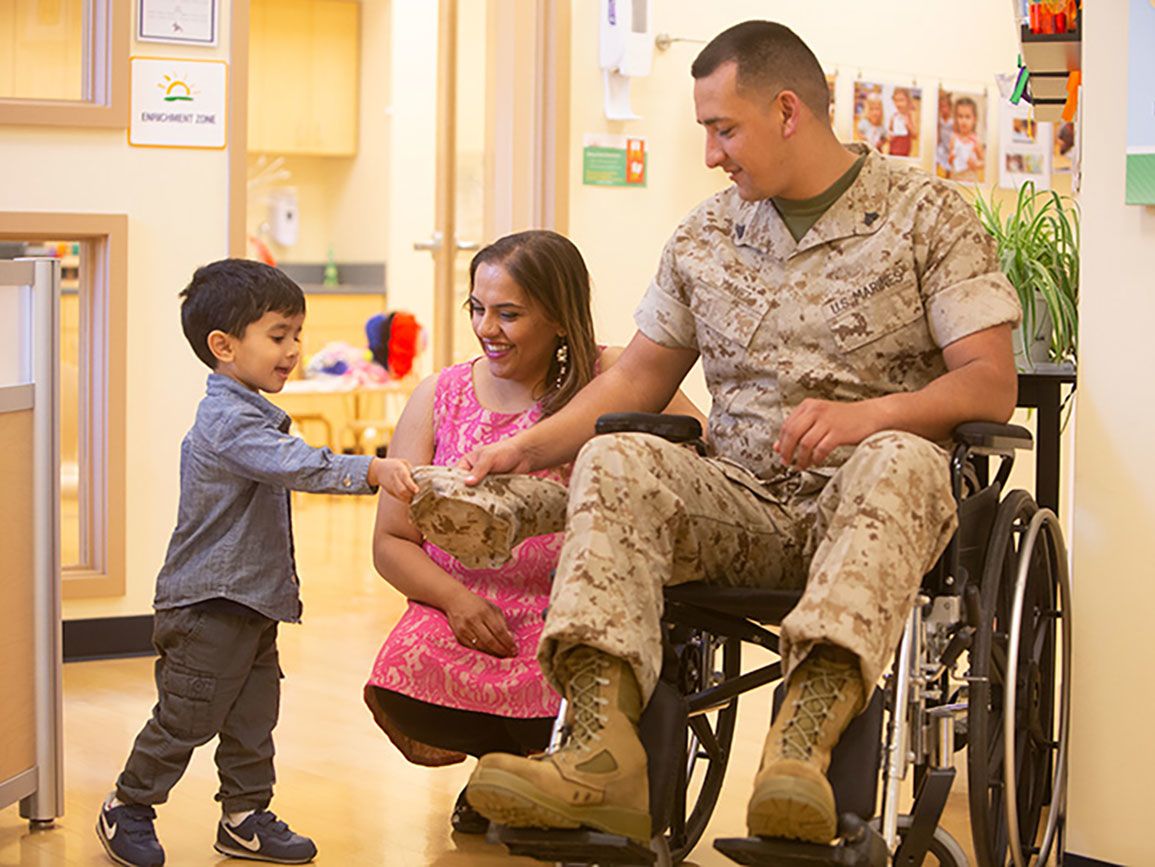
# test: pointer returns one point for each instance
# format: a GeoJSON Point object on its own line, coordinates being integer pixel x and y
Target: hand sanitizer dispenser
{"type": "Point", "coordinates": [626, 50]}
{"type": "Point", "coordinates": [283, 223]}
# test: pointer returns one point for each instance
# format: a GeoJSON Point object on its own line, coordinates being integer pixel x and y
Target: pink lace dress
{"type": "Point", "coordinates": [421, 658]}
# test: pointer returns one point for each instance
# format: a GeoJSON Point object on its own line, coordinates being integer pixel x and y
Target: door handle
{"type": "Point", "coordinates": [434, 243]}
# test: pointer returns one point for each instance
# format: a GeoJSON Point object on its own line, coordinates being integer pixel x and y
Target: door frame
{"type": "Point", "coordinates": [526, 137]}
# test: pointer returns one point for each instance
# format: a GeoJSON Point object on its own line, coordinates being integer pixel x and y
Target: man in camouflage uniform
{"type": "Point", "coordinates": [849, 313]}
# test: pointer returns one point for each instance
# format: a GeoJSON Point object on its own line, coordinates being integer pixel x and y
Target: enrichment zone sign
{"type": "Point", "coordinates": [178, 103]}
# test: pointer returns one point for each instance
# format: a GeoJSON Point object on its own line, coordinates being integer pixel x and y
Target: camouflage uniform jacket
{"type": "Point", "coordinates": [898, 268]}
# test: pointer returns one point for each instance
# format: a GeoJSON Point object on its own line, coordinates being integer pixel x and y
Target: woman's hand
{"type": "Point", "coordinates": [479, 625]}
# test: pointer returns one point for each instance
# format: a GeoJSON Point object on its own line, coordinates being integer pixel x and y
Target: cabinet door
{"type": "Point", "coordinates": [335, 76]}
{"type": "Point", "coordinates": [303, 74]}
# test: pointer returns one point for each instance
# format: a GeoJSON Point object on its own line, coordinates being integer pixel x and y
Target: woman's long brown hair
{"type": "Point", "coordinates": [551, 271]}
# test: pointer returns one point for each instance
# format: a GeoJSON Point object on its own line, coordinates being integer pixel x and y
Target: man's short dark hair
{"type": "Point", "coordinates": [769, 56]}
{"type": "Point", "coordinates": [228, 295]}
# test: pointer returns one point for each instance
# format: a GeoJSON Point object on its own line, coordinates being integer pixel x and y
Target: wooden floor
{"type": "Point", "coordinates": [339, 779]}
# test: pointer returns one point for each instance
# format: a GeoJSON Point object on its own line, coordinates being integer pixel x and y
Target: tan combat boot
{"type": "Point", "coordinates": [598, 779]}
{"type": "Point", "coordinates": [792, 797]}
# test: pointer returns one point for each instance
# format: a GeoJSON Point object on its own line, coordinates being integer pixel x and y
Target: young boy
{"type": "Point", "coordinates": [229, 576]}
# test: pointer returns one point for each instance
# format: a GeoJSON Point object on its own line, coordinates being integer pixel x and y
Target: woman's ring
{"type": "Point", "coordinates": [473, 641]}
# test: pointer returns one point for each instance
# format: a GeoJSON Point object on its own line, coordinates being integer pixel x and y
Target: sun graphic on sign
{"type": "Point", "coordinates": [176, 90]}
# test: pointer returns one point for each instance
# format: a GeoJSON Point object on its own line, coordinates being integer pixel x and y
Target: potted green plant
{"type": "Point", "coordinates": [1038, 248]}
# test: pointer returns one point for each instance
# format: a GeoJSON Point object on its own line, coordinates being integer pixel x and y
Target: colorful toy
{"type": "Point", "coordinates": [394, 340]}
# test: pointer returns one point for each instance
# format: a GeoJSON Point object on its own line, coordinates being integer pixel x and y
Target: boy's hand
{"type": "Point", "coordinates": [394, 476]}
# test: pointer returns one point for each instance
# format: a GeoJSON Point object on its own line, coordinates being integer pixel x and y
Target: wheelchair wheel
{"type": "Point", "coordinates": [944, 850]}
{"type": "Point", "coordinates": [1017, 706]}
{"type": "Point", "coordinates": [706, 660]}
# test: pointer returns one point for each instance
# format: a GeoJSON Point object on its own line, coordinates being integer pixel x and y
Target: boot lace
{"type": "Point", "coordinates": [586, 701]}
{"type": "Point", "coordinates": [820, 690]}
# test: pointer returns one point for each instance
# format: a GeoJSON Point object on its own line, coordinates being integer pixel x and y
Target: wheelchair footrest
{"type": "Point", "coordinates": [859, 846]}
{"type": "Point", "coordinates": [580, 847]}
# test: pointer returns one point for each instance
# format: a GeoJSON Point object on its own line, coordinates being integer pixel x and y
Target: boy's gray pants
{"type": "Point", "coordinates": [217, 674]}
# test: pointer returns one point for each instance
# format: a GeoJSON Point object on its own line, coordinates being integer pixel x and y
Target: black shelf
{"type": "Point", "coordinates": [1076, 35]}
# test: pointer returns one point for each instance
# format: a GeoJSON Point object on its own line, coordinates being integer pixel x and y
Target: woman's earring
{"type": "Point", "coordinates": [562, 356]}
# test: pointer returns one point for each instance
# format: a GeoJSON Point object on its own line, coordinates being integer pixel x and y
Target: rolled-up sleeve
{"type": "Point", "coordinates": [664, 314]}
{"type": "Point", "coordinates": [249, 446]}
{"type": "Point", "coordinates": [963, 288]}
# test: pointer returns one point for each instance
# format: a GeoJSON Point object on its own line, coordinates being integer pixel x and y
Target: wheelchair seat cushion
{"type": "Point", "coordinates": [762, 604]}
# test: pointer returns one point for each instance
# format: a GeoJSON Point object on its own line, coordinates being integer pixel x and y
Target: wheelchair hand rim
{"type": "Point", "coordinates": [1042, 518]}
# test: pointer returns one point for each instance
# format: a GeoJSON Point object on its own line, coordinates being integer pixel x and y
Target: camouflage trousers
{"type": "Point", "coordinates": [644, 514]}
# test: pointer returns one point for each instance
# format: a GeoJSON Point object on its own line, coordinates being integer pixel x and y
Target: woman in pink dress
{"type": "Point", "coordinates": [458, 675]}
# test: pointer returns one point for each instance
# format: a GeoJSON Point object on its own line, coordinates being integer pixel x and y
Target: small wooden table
{"type": "Point", "coordinates": [1042, 389]}
{"type": "Point", "coordinates": [345, 409]}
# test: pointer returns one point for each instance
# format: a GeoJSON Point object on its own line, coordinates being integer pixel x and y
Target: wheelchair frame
{"type": "Point", "coordinates": [1000, 592]}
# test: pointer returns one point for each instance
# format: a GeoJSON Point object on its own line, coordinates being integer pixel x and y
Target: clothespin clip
{"type": "Point", "coordinates": [1019, 91]}
{"type": "Point", "coordinates": [1074, 79]}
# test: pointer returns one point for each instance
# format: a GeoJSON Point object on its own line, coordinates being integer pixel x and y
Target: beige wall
{"type": "Point", "coordinates": [176, 204]}
{"type": "Point", "coordinates": [1112, 760]}
{"type": "Point", "coordinates": [412, 114]}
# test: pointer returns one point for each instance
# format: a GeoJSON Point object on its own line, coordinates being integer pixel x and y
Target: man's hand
{"type": "Point", "coordinates": [394, 476]}
{"type": "Point", "coordinates": [506, 456]}
{"type": "Point", "coordinates": [480, 625]}
{"type": "Point", "coordinates": [817, 427]}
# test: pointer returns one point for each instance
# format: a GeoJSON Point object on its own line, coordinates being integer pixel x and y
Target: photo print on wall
{"type": "Point", "coordinates": [887, 117]}
{"type": "Point", "coordinates": [1024, 147]}
{"type": "Point", "coordinates": [960, 152]}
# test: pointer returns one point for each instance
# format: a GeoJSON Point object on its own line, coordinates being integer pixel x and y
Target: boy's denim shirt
{"type": "Point", "coordinates": [233, 536]}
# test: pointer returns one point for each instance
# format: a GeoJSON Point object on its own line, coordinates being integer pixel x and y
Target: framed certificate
{"type": "Point", "coordinates": [185, 22]}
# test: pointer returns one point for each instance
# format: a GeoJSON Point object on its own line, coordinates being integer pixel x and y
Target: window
{"type": "Point", "coordinates": [64, 62]}
{"type": "Point", "coordinates": [92, 250]}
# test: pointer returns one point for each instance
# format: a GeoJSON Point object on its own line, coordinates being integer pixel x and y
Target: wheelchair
{"type": "Point", "coordinates": [984, 663]}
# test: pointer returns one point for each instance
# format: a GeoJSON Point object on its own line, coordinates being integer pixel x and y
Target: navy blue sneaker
{"type": "Point", "coordinates": [127, 834]}
{"type": "Point", "coordinates": [264, 837]}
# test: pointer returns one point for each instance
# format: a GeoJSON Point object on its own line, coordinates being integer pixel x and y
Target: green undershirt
{"type": "Point", "coordinates": [800, 214]}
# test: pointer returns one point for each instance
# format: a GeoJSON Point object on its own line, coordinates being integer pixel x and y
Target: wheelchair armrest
{"type": "Point", "coordinates": [675, 428]}
{"type": "Point", "coordinates": [987, 436]}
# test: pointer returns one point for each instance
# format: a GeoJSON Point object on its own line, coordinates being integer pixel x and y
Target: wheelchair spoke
{"type": "Point", "coordinates": [701, 728]}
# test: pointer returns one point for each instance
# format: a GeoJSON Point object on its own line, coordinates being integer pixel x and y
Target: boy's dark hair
{"type": "Point", "coordinates": [228, 295]}
{"type": "Point", "coordinates": [769, 56]}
